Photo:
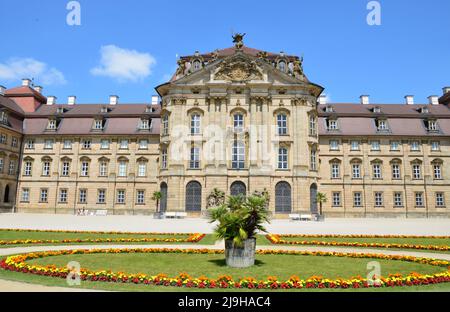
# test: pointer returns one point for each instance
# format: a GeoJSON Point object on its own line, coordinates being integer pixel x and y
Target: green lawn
{"type": "Point", "coordinates": [282, 266]}
{"type": "Point", "coordinates": [30, 235]}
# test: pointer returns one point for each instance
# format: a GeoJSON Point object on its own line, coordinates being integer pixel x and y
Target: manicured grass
{"type": "Point", "coordinates": [30, 235]}
{"type": "Point", "coordinates": [282, 266]}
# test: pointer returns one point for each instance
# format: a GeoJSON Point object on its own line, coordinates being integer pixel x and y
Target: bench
{"type": "Point", "coordinates": [101, 213]}
{"type": "Point", "coordinates": [294, 217]}
{"type": "Point", "coordinates": [306, 217]}
{"type": "Point", "coordinates": [181, 215]}
{"type": "Point", "coordinates": [171, 215]}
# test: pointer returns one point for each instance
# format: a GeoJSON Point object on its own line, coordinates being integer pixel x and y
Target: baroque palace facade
{"type": "Point", "coordinates": [238, 120]}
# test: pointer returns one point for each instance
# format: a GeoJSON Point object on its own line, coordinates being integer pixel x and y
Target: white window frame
{"type": "Point", "coordinates": [357, 199]}
{"type": "Point", "coordinates": [84, 168]}
{"type": "Point", "coordinates": [46, 167]}
{"type": "Point", "coordinates": [28, 169]}
{"type": "Point", "coordinates": [418, 199]}
{"type": "Point", "coordinates": [63, 196]}
{"type": "Point", "coordinates": [398, 199]}
{"type": "Point", "coordinates": [101, 196]}
{"type": "Point", "coordinates": [282, 124]}
{"type": "Point", "coordinates": [82, 196]}
{"type": "Point", "coordinates": [378, 199]}
{"type": "Point", "coordinates": [43, 195]}
{"type": "Point", "coordinates": [336, 199]}
{"type": "Point", "coordinates": [196, 123]}
{"type": "Point", "coordinates": [335, 170]}
{"type": "Point", "coordinates": [142, 169]}
{"type": "Point", "coordinates": [25, 197]}
{"type": "Point", "coordinates": [123, 169]}
{"type": "Point", "coordinates": [283, 158]}
{"type": "Point", "coordinates": [140, 197]}
{"type": "Point", "coordinates": [121, 197]}
{"type": "Point", "coordinates": [238, 155]}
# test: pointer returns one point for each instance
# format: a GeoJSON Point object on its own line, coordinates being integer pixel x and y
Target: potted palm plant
{"type": "Point", "coordinates": [157, 197]}
{"type": "Point", "coordinates": [321, 198]}
{"type": "Point", "coordinates": [239, 221]}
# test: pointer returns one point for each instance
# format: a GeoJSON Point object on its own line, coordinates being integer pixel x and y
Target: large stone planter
{"type": "Point", "coordinates": [240, 257]}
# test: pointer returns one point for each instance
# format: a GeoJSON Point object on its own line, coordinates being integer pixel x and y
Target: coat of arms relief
{"type": "Point", "coordinates": [238, 70]}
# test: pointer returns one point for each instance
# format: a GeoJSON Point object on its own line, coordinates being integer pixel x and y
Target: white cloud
{"type": "Point", "coordinates": [18, 68]}
{"type": "Point", "coordinates": [124, 65]}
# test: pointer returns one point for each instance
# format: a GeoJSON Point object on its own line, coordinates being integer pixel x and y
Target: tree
{"type": "Point", "coordinates": [157, 196]}
{"type": "Point", "coordinates": [320, 199]}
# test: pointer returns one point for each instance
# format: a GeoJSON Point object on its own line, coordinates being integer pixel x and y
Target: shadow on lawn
{"type": "Point", "coordinates": [223, 263]}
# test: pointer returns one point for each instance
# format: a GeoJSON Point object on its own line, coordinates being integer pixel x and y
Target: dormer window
{"type": "Point", "coordinates": [4, 117]}
{"type": "Point", "coordinates": [149, 109]}
{"type": "Point", "coordinates": [52, 124]}
{"type": "Point", "coordinates": [431, 125]}
{"type": "Point", "coordinates": [376, 110]}
{"type": "Point", "coordinates": [329, 109]}
{"type": "Point", "coordinates": [332, 124]}
{"type": "Point", "coordinates": [99, 124]}
{"type": "Point", "coordinates": [382, 125]}
{"type": "Point", "coordinates": [145, 124]}
{"type": "Point", "coordinates": [197, 65]}
{"type": "Point", "coordinates": [282, 66]}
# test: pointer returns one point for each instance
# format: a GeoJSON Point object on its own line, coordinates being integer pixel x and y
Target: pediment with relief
{"type": "Point", "coordinates": [238, 69]}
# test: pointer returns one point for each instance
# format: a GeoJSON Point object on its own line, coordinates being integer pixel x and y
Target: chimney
{"type": "Point", "coordinates": [446, 90]}
{"type": "Point", "coordinates": [2, 90]}
{"type": "Point", "coordinates": [434, 100]}
{"type": "Point", "coordinates": [155, 100]}
{"type": "Point", "coordinates": [26, 82]}
{"type": "Point", "coordinates": [38, 89]}
{"type": "Point", "coordinates": [322, 100]}
{"type": "Point", "coordinates": [409, 99]}
{"type": "Point", "coordinates": [365, 100]}
{"type": "Point", "coordinates": [113, 100]}
{"type": "Point", "coordinates": [71, 100]}
{"type": "Point", "coordinates": [51, 100]}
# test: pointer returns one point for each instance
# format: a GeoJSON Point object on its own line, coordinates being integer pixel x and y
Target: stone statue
{"type": "Point", "coordinates": [181, 68]}
{"type": "Point", "coordinates": [238, 40]}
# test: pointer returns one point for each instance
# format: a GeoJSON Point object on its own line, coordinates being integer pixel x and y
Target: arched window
{"type": "Point", "coordinates": [195, 123]}
{"type": "Point", "coordinates": [197, 65]}
{"type": "Point", "coordinates": [238, 155]}
{"type": "Point", "coordinates": [193, 196]}
{"type": "Point", "coordinates": [163, 190]}
{"type": "Point", "coordinates": [283, 202]}
{"type": "Point", "coordinates": [238, 188]}
{"type": "Point", "coordinates": [6, 194]}
{"type": "Point", "coordinates": [282, 66]}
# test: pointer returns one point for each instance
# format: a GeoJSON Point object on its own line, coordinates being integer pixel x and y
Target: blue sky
{"type": "Point", "coordinates": [409, 53]}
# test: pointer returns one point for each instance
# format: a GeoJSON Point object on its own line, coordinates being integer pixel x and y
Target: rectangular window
{"type": "Point", "coordinates": [14, 142]}
{"type": "Point", "coordinates": [25, 195]}
{"type": "Point", "coordinates": [124, 144]}
{"type": "Point", "coordinates": [104, 144]}
{"type": "Point", "coordinates": [435, 146]}
{"type": "Point", "coordinates": [164, 159]}
{"type": "Point", "coordinates": [396, 172]}
{"type": "Point", "coordinates": [312, 126]}
{"type": "Point", "coordinates": [101, 196]}
{"type": "Point", "coordinates": [377, 174]}
{"type": "Point", "coordinates": [238, 123]}
{"type": "Point", "coordinates": [313, 160]}
{"type": "Point", "coordinates": [121, 196]}
{"type": "Point", "coordinates": [86, 144]}
{"type": "Point", "coordinates": [85, 169]}
{"type": "Point", "coordinates": [357, 199]}
{"type": "Point", "coordinates": [375, 145]}
{"type": "Point", "coordinates": [282, 124]}
{"type": "Point", "coordinates": [48, 144]}
{"type": "Point", "coordinates": [378, 199]}
{"type": "Point", "coordinates": [437, 170]}
{"type": "Point", "coordinates": [419, 199]}
{"type": "Point", "coordinates": [334, 145]}
{"type": "Point", "coordinates": [43, 197]}
{"type": "Point", "coordinates": [83, 196]}
{"type": "Point", "coordinates": [12, 167]}
{"type": "Point", "coordinates": [143, 144]}
{"type": "Point", "coordinates": [51, 124]}
{"type": "Point", "coordinates": [335, 171]}
{"type": "Point", "coordinates": [165, 125]}
{"type": "Point", "coordinates": [416, 172]}
{"type": "Point", "coordinates": [440, 200]}
{"type": "Point", "coordinates": [2, 164]}
{"type": "Point", "coordinates": [65, 171]}
{"type": "Point", "coordinates": [46, 168]}
{"type": "Point", "coordinates": [3, 139]}
{"type": "Point", "coordinates": [28, 169]}
{"type": "Point", "coordinates": [67, 144]}
{"type": "Point", "coordinates": [432, 125]}
{"type": "Point", "coordinates": [140, 197]}
{"type": "Point", "coordinates": [142, 169]}
{"type": "Point", "coordinates": [354, 145]}
{"type": "Point", "coordinates": [356, 171]}
{"type": "Point", "coordinates": [103, 169]}
{"type": "Point", "coordinates": [283, 158]}
{"type": "Point", "coordinates": [145, 124]}
{"type": "Point", "coordinates": [398, 199]}
{"type": "Point", "coordinates": [98, 124]}
{"type": "Point", "coordinates": [63, 196]}
{"type": "Point", "coordinates": [336, 199]}
{"type": "Point", "coordinates": [195, 124]}
{"type": "Point", "coordinates": [415, 146]}
{"type": "Point", "coordinates": [333, 125]}
{"type": "Point", "coordinates": [382, 125]}
{"type": "Point", "coordinates": [195, 158]}
{"type": "Point", "coordinates": [395, 146]}
{"type": "Point", "coordinates": [29, 145]}
{"type": "Point", "coordinates": [123, 169]}
{"type": "Point", "coordinates": [238, 156]}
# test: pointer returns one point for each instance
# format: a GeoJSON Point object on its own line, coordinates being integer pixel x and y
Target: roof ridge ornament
{"type": "Point", "coordinates": [238, 40]}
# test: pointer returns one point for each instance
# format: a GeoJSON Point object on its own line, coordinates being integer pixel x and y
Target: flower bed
{"type": "Point", "coordinates": [192, 238]}
{"type": "Point", "coordinates": [19, 263]}
{"type": "Point", "coordinates": [278, 240]}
